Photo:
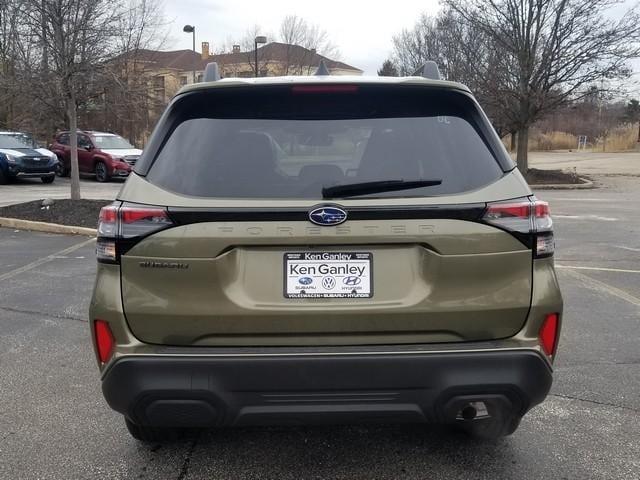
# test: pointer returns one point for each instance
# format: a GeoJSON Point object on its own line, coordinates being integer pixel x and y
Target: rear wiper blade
{"type": "Point", "coordinates": [365, 188]}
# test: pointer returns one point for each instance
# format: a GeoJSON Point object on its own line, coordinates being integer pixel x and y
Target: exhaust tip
{"type": "Point", "coordinates": [469, 412]}
{"type": "Point", "coordinates": [473, 411]}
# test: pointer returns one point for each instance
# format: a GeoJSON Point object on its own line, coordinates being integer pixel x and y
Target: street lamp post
{"type": "Point", "coordinates": [258, 39]}
{"type": "Point", "coordinates": [192, 29]}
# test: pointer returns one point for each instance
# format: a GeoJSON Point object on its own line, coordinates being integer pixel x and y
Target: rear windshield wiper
{"type": "Point", "coordinates": [365, 188]}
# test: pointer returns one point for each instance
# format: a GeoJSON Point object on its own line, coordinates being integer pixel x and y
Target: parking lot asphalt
{"type": "Point", "coordinates": [28, 189]}
{"type": "Point", "coordinates": [54, 423]}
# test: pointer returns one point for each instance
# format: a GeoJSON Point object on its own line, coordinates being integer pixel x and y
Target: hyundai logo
{"type": "Point", "coordinates": [305, 280]}
{"type": "Point", "coordinates": [327, 216]}
{"type": "Point", "coordinates": [353, 281]}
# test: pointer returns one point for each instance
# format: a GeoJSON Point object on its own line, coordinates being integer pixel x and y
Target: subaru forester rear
{"type": "Point", "coordinates": [323, 250]}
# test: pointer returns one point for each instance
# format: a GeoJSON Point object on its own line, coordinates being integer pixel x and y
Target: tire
{"type": "Point", "coordinates": [154, 434]}
{"type": "Point", "coordinates": [48, 179]}
{"type": "Point", "coordinates": [61, 170]}
{"type": "Point", "coordinates": [102, 172]}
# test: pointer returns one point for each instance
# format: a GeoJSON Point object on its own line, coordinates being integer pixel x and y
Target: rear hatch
{"type": "Point", "coordinates": [283, 216]}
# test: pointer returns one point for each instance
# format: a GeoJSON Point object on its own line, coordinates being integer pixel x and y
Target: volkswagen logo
{"type": "Point", "coordinates": [327, 216]}
{"type": "Point", "coordinates": [328, 283]}
{"type": "Point", "coordinates": [352, 281]}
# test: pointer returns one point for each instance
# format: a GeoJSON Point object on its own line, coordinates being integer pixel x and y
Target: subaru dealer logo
{"type": "Point", "coordinates": [352, 281]}
{"type": "Point", "coordinates": [328, 282]}
{"type": "Point", "coordinates": [305, 280]}
{"type": "Point", "coordinates": [327, 215]}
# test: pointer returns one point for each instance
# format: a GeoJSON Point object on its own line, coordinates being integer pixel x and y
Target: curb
{"type": "Point", "coordinates": [588, 184]}
{"type": "Point", "coordinates": [46, 227]}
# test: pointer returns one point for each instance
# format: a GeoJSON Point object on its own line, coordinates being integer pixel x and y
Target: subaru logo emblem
{"type": "Point", "coordinates": [305, 280]}
{"type": "Point", "coordinates": [327, 216]}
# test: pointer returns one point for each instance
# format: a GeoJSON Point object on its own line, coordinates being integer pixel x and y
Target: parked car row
{"type": "Point", "coordinates": [100, 154]}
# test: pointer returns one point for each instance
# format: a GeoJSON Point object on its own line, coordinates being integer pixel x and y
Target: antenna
{"type": "Point", "coordinates": [429, 70]}
{"type": "Point", "coordinates": [322, 69]}
{"type": "Point", "coordinates": [211, 72]}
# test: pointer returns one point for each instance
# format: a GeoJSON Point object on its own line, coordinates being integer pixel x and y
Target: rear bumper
{"type": "Point", "coordinates": [207, 391]}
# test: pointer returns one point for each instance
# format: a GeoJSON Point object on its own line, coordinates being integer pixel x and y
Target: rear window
{"type": "Point", "coordinates": [288, 144]}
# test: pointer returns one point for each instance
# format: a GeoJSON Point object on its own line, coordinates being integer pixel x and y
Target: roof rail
{"type": "Point", "coordinates": [322, 69]}
{"type": "Point", "coordinates": [211, 72]}
{"type": "Point", "coordinates": [429, 70]}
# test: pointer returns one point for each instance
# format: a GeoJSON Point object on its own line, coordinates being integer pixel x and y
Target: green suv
{"type": "Point", "coordinates": [325, 250]}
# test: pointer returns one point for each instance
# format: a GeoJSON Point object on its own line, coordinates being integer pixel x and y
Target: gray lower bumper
{"type": "Point", "coordinates": [202, 391]}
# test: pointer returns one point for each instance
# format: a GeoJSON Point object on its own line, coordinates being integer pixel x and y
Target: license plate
{"type": "Point", "coordinates": [328, 275]}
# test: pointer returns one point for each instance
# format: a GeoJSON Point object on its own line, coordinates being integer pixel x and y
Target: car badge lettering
{"type": "Point", "coordinates": [327, 216]}
{"type": "Point", "coordinates": [173, 265]}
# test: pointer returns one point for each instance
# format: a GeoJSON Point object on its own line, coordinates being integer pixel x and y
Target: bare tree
{"type": "Point", "coordinates": [248, 47]}
{"type": "Point", "coordinates": [550, 51]}
{"type": "Point", "coordinates": [296, 32]}
{"type": "Point", "coordinates": [78, 37]}
{"type": "Point", "coordinates": [126, 100]}
{"type": "Point", "coordinates": [65, 60]}
{"type": "Point", "coordinates": [9, 53]}
{"type": "Point", "coordinates": [464, 54]}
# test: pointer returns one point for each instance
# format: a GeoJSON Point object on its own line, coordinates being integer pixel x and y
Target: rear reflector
{"type": "Point", "coordinates": [549, 333]}
{"type": "Point", "coordinates": [104, 340]}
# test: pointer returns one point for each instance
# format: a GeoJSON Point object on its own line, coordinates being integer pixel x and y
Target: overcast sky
{"type": "Point", "coordinates": [362, 30]}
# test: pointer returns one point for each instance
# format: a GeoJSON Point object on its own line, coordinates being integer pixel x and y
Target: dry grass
{"type": "Point", "coordinates": [620, 139]}
{"type": "Point", "coordinates": [553, 141]}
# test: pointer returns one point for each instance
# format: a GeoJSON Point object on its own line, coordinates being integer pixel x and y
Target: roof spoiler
{"type": "Point", "coordinates": [322, 69]}
{"type": "Point", "coordinates": [429, 70]}
{"type": "Point", "coordinates": [211, 72]}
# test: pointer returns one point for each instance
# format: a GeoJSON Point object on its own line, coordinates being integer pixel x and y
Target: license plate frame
{"type": "Point", "coordinates": [352, 274]}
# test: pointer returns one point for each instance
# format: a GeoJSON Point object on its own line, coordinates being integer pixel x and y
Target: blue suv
{"type": "Point", "coordinates": [20, 157]}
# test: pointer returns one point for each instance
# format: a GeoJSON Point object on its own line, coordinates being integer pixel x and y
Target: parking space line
{"type": "Point", "coordinates": [598, 269]}
{"type": "Point", "coordinates": [604, 287]}
{"type": "Point", "coordinates": [631, 249]}
{"type": "Point", "coordinates": [48, 258]}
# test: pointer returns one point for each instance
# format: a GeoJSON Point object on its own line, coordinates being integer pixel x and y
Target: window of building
{"type": "Point", "coordinates": [158, 83]}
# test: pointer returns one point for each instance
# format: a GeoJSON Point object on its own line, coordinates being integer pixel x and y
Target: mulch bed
{"type": "Point", "coordinates": [77, 213]}
{"type": "Point", "coordinates": [550, 177]}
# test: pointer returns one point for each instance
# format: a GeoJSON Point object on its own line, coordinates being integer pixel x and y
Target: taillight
{"type": "Point", "coordinates": [548, 334]}
{"type": "Point", "coordinates": [104, 340]}
{"type": "Point", "coordinates": [141, 221]}
{"type": "Point", "coordinates": [525, 216]}
{"type": "Point", "coordinates": [120, 226]}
